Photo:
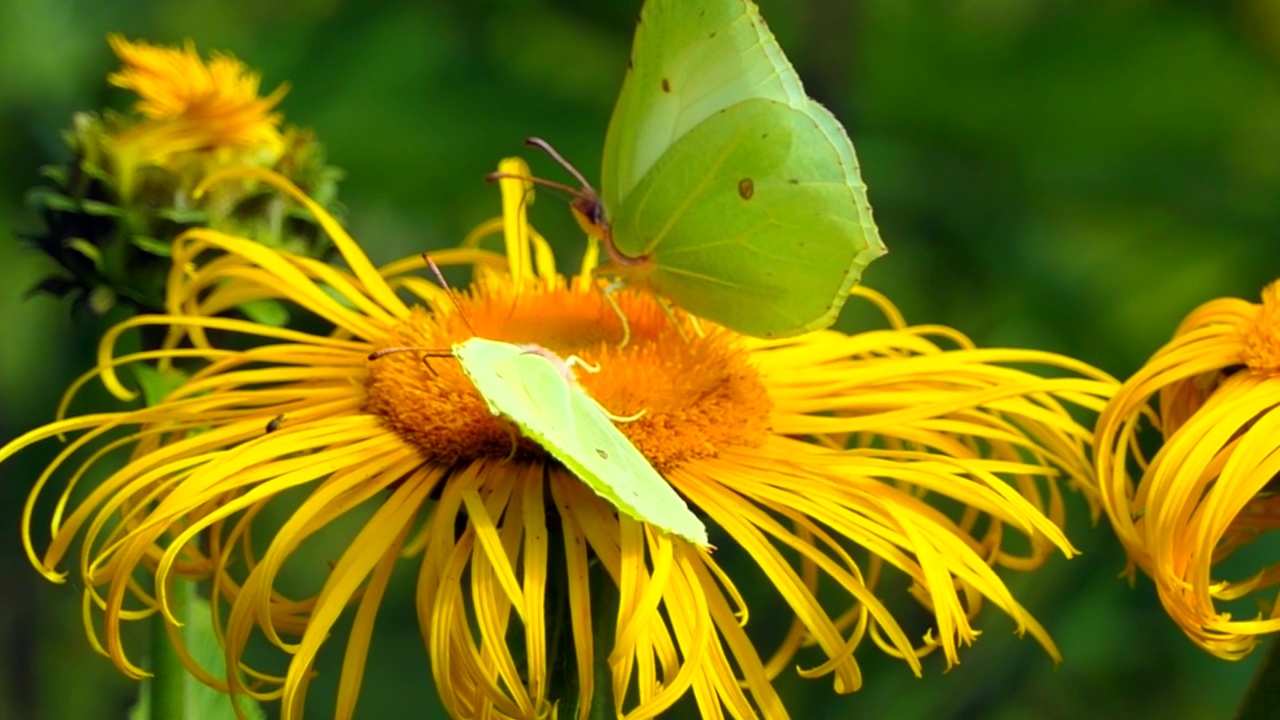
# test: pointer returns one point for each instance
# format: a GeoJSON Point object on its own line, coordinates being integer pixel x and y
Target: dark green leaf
{"type": "Point", "coordinates": [202, 701]}
{"type": "Point", "coordinates": [49, 199]}
{"type": "Point", "coordinates": [87, 249]}
{"type": "Point", "coordinates": [265, 312]}
{"type": "Point", "coordinates": [100, 174]}
{"type": "Point", "coordinates": [56, 173]}
{"type": "Point", "coordinates": [95, 207]}
{"type": "Point", "coordinates": [185, 216]}
{"type": "Point", "coordinates": [152, 245]}
{"type": "Point", "coordinates": [156, 385]}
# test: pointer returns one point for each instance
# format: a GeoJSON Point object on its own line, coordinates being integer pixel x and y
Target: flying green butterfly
{"type": "Point", "coordinates": [724, 187]}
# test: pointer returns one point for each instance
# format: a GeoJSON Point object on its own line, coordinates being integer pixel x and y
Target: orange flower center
{"type": "Point", "coordinates": [698, 393]}
{"type": "Point", "coordinates": [1262, 338]}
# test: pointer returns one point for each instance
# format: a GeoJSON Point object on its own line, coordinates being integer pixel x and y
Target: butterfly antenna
{"type": "Point", "coordinates": [567, 189]}
{"type": "Point", "coordinates": [545, 147]}
{"type": "Point", "coordinates": [586, 201]}
{"type": "Point", "coordinates": [425, 358]}
{"type": "Point", "coordinates": [526, 248]}
{"type": "Point", "coordinates": [435, 270]}
{"type": "Point", "coordinates": [377, 354]}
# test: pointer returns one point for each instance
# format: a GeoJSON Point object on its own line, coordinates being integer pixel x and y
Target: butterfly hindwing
{"type": "Point", "coordinates": [750, 222]}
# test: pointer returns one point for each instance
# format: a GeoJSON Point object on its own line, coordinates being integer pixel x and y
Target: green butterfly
{"type": "Point", "coordinates": [725, 188]}
{"type": "Point", "coordinates": [535, 389]}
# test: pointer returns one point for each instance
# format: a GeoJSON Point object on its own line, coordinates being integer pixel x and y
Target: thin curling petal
{"type": "Point", "coordinates": [191, 105]}
{"type": "Point", "coordinates": [1211, 394]}
{"type": "Point", "coordinates": [818, 458]}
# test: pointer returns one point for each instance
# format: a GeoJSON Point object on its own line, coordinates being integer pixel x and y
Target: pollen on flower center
{"type": "Point", "coordinates": [1262, 338]}
{"type": "Point", "coordinates": [698, 393]}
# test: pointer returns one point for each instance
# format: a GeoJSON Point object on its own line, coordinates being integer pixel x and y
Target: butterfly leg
{"type": "Point", "coordinates": [623, 418]}
{"type": "Point", "coordinates": [575, 361]}
{"type": "Point", "coordinates": [697, 326]}
{"type": "Point", "coordinates": [671, 317]}
{"type": "Point", "coordinates": [609, 290]}
{"type": "Point", "coordinates": [515, 440]}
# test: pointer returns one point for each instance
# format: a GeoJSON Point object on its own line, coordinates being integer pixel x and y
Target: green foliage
{"type": "Point", "coordinates": [109, 228]}
{"type": "Point", "coordinates": [156, 384]}
{"type": "Point", "coordinates": [201, 701]}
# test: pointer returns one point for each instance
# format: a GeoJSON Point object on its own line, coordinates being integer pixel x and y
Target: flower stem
{"type": "Point", "coordinates": [168, 686]}
{"type": "Point", "coordinates": [604, 618]}
{"type": "Point", "coordinates": [565, 686]}
{"type": "Point", "coordinates": [1262, 699]}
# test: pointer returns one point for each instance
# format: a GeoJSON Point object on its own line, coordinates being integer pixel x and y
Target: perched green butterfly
{"type": "Point", "coordinates": [724, 187]}
{"type": "Point", "coordinates": [535, 389]}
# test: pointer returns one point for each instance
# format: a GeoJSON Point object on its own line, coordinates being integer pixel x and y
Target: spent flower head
{"type": "Point", "coordinates": [826, 461]}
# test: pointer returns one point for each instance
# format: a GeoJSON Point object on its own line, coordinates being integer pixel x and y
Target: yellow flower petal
{"type": "Point", "coordinates": [192, 106]}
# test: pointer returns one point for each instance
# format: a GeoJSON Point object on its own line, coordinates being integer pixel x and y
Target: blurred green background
{"type": "Point", "coordinates": [1072, 177]}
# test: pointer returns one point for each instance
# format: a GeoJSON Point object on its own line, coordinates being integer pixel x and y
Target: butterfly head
{"type": "Point", "coordinates": [588, 210]}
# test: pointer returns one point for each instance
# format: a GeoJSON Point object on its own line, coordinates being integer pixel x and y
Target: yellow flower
{"type": "Point", "coordinates": [1210, 488]}
{"type": "Point", "coordinates": [818, 459]}
{"type": "Point", "coordinates": [191, 106]}
{"type": "Point", "coordinates": [112, 212]}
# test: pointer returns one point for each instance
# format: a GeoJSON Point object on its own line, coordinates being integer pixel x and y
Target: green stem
{"type": "Point", "coordinates": [1262, 700]}
{"type": "Point", "coordinates": [169, 674]}
{"type": "Point", "coordinates": [604, 612]}
{"type": "Point", "coordinates": [563, 681]}
{"type": "Point", "coordinates": [168, 686]}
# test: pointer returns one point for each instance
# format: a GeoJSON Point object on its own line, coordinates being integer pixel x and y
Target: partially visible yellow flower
{"type": "Point", "coordinates": [826, 461]}
{"type": "Point", "coordinates": [192, 106]}
{"type": "Point", "coordinates": [111, 214]}
{"type": "Point", "coordinates": [1213, 395]}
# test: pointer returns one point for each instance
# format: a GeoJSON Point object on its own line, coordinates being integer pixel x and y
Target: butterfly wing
{"type": "Point", "coordinates": [689, 61]}
{"type": "Point", "coordinates": [743, 195]}
{"type": "Point", "coordinates": [553, 411]}
{"type": "Point", "coordinates": [749, 220]}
